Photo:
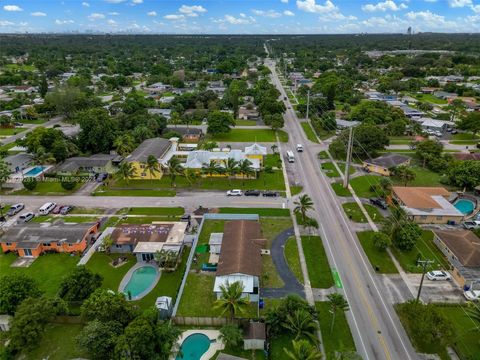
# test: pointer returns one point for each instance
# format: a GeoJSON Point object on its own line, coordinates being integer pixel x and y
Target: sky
{"type": "Point", "coordinates": [239, 16]}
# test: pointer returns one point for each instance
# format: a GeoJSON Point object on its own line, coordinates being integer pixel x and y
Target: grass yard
{"type": "Point", "coordinates": [209, 226]}
{"type": "Point", "coordinates": [296, 189]}
{"type": "Point", "coordinates": [47, 188]}
{"type": "Point", "coordinates": [135, 192]}
{"type": "Point", "coordinates": [250, 135]}
{"type": "Point", "coordinates": [464, 142]}
{"type": "Point", "coordinates": [100, 262]}
{"type": "Point", "coordinates": [82, 210]}
{"type": "Point", "coordinates": [465, 136]}
{"type": "Point", "coordinates": [322, 155]}
{"type": "Point", "coordinates": [48, 270]}
{"type": "Point", "coordinates": [293, 259]}
{"type": "Point", "coordinates": [67, 219]}
{"type": "Point", "coordinates": [380, 260]}
{"type": "Point", "coordinates": [424, 177]}
{"type": "Point", "coordinates": [277, 345]}
{"type": "Point", "coordinates": [273, 160]}
{"type": "Point", "coordinates": [309, 133]}
{"type": "Point", "coordinates": [355, 214]}
{"type": "Point", "coordinates": [429, 98]}
{"type": "Point", "coordinates": [331, 171]}
{"type": "Point", "coordinates": [244, 354]}
{"type": "Point", "coordinates": [338, 338]}
{"type": "Point", "coordinates": [163, 211]}
{"type": "Point", "coordinates": [317, 263]}
{"type": "Point", "coordinates": [340, 190]}
{"type": "Point", "coordinates": [57, 343]}
{"type": "Point", "coordinates": [273, 212]}
{"type": "Point", "coordinates": [426, 249]}
{"type": "Point", "coordinates": [240, 122]}
{"type": "Point", "coordinates": [11, 131]}
{"type": "Point", "coordinates": [362, 184]}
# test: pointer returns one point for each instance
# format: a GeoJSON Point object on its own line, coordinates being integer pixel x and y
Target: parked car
{"type": "Point", "coordinates": [57, 209]}
{"type": "Point", "coordinates": [252, 193]}
{"type": "Point", "coordinates": [47, 208]}
{"type": "Point", "coordinates": [66, 209]}
{"type": "Point", "coordinates": [379, 202]}
{"type": "Point", "coordinates": [438, 275]}
{"type": "Point", "coordinates": [270, 193]}
{"type": "Point", "coordinates": [15, 209]}
{"type": "Point", "coordinates": [101, 177]}
{"type": "Point", "coordinates": [234, 192]}
{"type": "Point", "coordinates": [26, 217]}
{"type": "Point", "coordinates": [472, 295]}
{"type": "Point", "coordinates": [471, 225]}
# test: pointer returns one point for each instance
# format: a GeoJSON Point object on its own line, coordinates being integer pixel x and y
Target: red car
{"type": "Point", "coordinates": [57, 209]}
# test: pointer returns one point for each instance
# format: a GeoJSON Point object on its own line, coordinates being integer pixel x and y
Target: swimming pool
{"type": "Point", "coordinates": [465, 206]}
{"type": "Point", "coordinates": [35, 171]}
{"type": "Point", "coordinates": [193, 347]}
{"type": "Point", "coordinates": [141, 280]}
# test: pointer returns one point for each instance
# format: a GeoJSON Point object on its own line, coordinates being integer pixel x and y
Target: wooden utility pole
{"type": "Point", "coordinates": [424, 264]}
{"type": "Point", "coordinates": [346, 176]}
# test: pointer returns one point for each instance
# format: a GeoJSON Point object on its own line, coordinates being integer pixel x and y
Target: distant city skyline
{"type": "Point", "coordinates": [239, 16]}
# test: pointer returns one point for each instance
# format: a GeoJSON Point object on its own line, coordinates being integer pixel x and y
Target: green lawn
{"type": "Point", "coordinates": [322, 155]}
{"type": "Point", "coordinates": [273, 160]}
{"type": "Point", "coordinates": [135, 192]}
{"type": "Point", "coordinates": [198, 296]}
{"type": "Point", "coordinates": [355, 214]}
{"type": "Point", "coordinates": [465, 136]}
{"type": "Point", "coordinates": [423, 177]}
{"type": "Point", "coordinates": [260, 211]}
{"type": "Point", "coordinates": [71, 219]}
{"type": "Point", "coordinates": [296, 189]}
{"type": "Point", "coordinates": [250, 135]}
{"type": "Point", "coordinates": [48, 270]}
{"type": "Point", "coordinates": [47, 188]}
{"type": "Point", "coordinates": [240, 122]}
{"type": "Point", "coordinates": [277, 345]}
{"type": "Point", "coordinates": [100, 262]}
{"type": "Point", "coordinates": [429, 98]}
{"type": "Point", "coordinates": [317, 263]}
{"type": "Point", "coordinates": [11, 131]}
{"type": "Point", "coordinates": [338, 338]}
{"type": "Point", "coordinates": [464, 142]}
{"type": "Point", "coordinates": [209, 226]}
{"type": "Point", "coordinates": [307, 129]}
{"type": "Point", "coordinates": [331, 171]}
{"type": "Point", "coordinates": [57, 343]}
{"type": "Point", "coordinates": [362, 185]}
{"type": "Point", "coordinates": [244, 354]}
{"type": "Point", "coordinates": [164, 211]}
{"type": "Point", "coordinates": [83, 210]}
{"type": "Point", "coordinates": [293, 260]}
{"type": "Point", "coordinates": [20, 67]}
{"type": "Point", "coordinates": [426, 249]}
{"type": "Point", "coordinates": [340, 190]}
{"type": "Point", "coordinates": [380, 260]}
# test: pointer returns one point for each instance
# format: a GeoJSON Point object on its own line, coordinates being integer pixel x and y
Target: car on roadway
{"type": "Point", "coordinates": [472, 295]}
{"type": "Point", "coordinates": [26, 217]}
{"type": "Point", "coordinates": [438, 275]}
{"type": "Point", "coordinates": [57, 209]}
{"type": "Point", "coordinates": [234, 192]}
{"type": "Point", "coordinates": [15, 209]}
{"type": "Point", "coordinates": [270, 193]}
{"type": "Point", "coordinates": [471, 225]}
{"type": "Point", "coordinates": [379, 202]}
{"type": "Point", "coordinates": [252, 193]}
{"type": "Point", "coordinates": [66, 209]}
{"type": "Point", "coordinates": [299, 148]}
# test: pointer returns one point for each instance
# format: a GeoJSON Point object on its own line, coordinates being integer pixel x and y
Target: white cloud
{"type": "Point", "coordinates": [426, 20]}
{"type": "Point", "coordinates": [114, 13]}
{"type": "Point", "coordinates": [12, 8]}
{"type": "Point", "coordinates": [137, 2]}
{"type": "Point", "coordinates": [174, 17]}
{"type": "Point", "coordinates": [268, 13]}
{"type": "Point", "coordinates": [38, 13]}
{"type": "Point", "coordinates": [6, 23]}
{"type": "Point", "coordinates": [288, 13]}
{"type": "Point", "coordinates": [430, 1]}
{"type": "Point", "coordinates": [476, 8]}
{"type": "Point", "coordinates": [242, 20]}
{"type": "Point", "coordinates": [96, 16]}
{"type": "Point", "coordinates": [152, 13]}
{"type": "Point", "coordinates": [85, 4]}
{"type": "Point", "coordinates": [336, 16]}
{"type": "Point", "coordinates": [388, 5]}
{"type": "Point", "coordinates": [63, 22]}
{"type": "Point", "coordinates": [459, 3]}
{"type": "Point", "coordinates": [111, 22]}
{"type": "Point", "coordinates": [313, 7]}
{"type": "Point", "coordinates": [192, 11]}
{"type": "Point", "coordinates": [115, 1]}
{"type": "Point", "coordinates": [284, 1]}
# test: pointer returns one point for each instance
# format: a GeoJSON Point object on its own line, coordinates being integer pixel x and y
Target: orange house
{"type": "Point", "coordinates": [33, 239]}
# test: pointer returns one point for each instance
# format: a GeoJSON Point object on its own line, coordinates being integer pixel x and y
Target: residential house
{"type": "Point", "coordinates": [434, 126]}
{"type": "Point", "coordinates": [188, 134]}
{"type": "Point", "coordinates": [411, 112]}
{"type": "Point", "coordinates": [157, 147]}
{"type": "Point", "coordinates": [240, 258]}
{"type": "Point", "coordinates": [428, 90]}
{"type": "Point", "coordinates": [462, 249]}
{"type": "Point", "coordinates": [248, 113]}
{"type": "Point", "coordinates": [384, 164]}
{"type": "Point", "coordinates": [166, 113]}
{"type": "Point", "coordinates": [147, 239]}
{"type": "Point", "coordinates": [18, 162]}
{"type": "Point", "coordinates": [166, 99]}
{"type": "Point", "coordinates": [33, 239]}
{"type": "Point", "coordinates": [445, 95]}
{"type": "Point", "coordinates": [24, 89]}
{"type": "Point", "coordinates": [157, 88]}
{"type": "Point", "coordinates": [427, 205]}
{"type": "Point", "coordinates": [94, 164]}
{"type": "Point", "coordinates": [345, 124]}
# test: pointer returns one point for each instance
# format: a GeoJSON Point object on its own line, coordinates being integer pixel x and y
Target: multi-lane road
{"type": "Point", "coordinates": [376, 328]}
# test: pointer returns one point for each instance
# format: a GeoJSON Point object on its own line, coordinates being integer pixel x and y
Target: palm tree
{"type": "Point", "coordinates": [302, 324]}
{"type": "Point", "coordinates": [124, 144]}
{"type": "Point", "coordinates": [385, 185]}
{"type": "Point", "coordinates": [174, 168]}
{"type": "Point", "coordinates": [231, 168]}
{"type": "Point", "coordinates": [232, 300]}
{"type": "Point", "coordinates": [337, 302]}
{"type": "Point", "coordinates": [165, 258]}
{"type": "Point", "coordinates": [404, 174]}
{"type": "Point", "coordinates": [303, 205]}
{"type": "Point", "coordinates": [310, 223]}
{"type": "Point", "coordinates": [152, 165]}
{"type": "Point", "coordinates": [303, 350]}
{"type": "Point", "coordinates": [274, 148]}
{"type": "Point", "coordinates": [190, 175]}
{"type": "Point", "coordinates": [245, 168]}
{"type": "Point", "coordinates": [210, 169]}
{"type": "Point", "coordinates": [126, 171]}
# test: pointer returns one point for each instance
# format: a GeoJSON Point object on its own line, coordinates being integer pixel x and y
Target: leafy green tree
{"type": "Point", "coordinates": [396, 128]}
{"type": "Point", "coordinates": [381, 241]}
{"type": "Point", "coordinates": [303, 350]}
{"type": "Point", "coordinates": [471, 123]}
{"type": "Point", "coordinates": [79, 284]}
{"type": "Point", "coordinates": [29, 183]}
{"type": "Point", "coordinates": [302, 325]}
{"type": "Point", "coordinates": [43, 88]}
{"type": "Point", "coordinates": [4, 173]}
{"type": "Point", "coordinates": [405, 174]}
{"type": "Point", "coordinates": [219, 122]}
{"type": "Point", "coordinates": [303, 205]}
{"type": "Point", "coordinates": [276, 317]}
{"type": "Point", "coordinates": [427, 150]}
{"type": "Point", "coordinates": [376, 112]}
{"type": "Point", "coordinates": [275, 121]}
{"type": "Point", "coordinates": [99, 338]}
{"type": "Point", "coordinates": [337, 303]}
{"type": "Point", "coordinates": [68, 183]}
{"type": "Point", "coordinates": [231, 335]}
{"type": "Point", "coordinates": [152, 165]}
{"type": "Point", "coordinates": [15, 288]}
{"type": "Point", "coordinates": [174, 168]}
{"type": "Point", "coordinates": [104, 305]}
{"type": "Point", "coordinates": [97, 130]}
{"type": "Point", "coordinates": [368, 140]}
{"type": "Point", "coordinates": [124, 144]}
{"type": "Point", "coordinates": [464, 174]}
{"type": "Point", "coordinates": [126, 171]}
{"type": "Point", "coordinates": [232, 300]}
{"type": "Point", "coordinates": [407, 236]}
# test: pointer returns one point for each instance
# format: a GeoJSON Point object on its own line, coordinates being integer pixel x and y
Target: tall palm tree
{"type": "Point", "coordinates": [245, 168]}
{"type": "Point", "coordinates": [174, 168]}
{"type": "Point", "coordinates": [190, 175]}
{"type": "Point", "coordinates": [303, 350]}
{"type": "Point", "coordinates": [211, 169]}
{"type": "Point", "coordinates": [124, 144]}
{"type": "Point", "coordinates": [152, 165]}
{"type": "Point", "coordinates": [404, 174]}
{"type": "Point", "coordinates": [274, 148]}
{"type": "Point", "coordinates": [231, 300]}
{"type": "Point", "coordinates": [303, 205]}
{"type": "Point", "coordinates": [301, 324]}
{"type": "Point", "coordinates": [231, 168]}
{"type": "Point", "coordinates": [126, 171]}
{"type": "Point", "coordinates": [337, 302]}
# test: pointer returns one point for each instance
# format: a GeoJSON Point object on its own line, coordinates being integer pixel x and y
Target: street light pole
{"type": "Point", "coordinates": [346, 177]}
{"type": "Point", "coordinates": [308, 103]}
{"type": "Point", "coordinates": [424, 264]}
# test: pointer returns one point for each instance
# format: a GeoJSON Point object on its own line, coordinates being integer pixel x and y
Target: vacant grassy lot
{"type": "Point", "coordinates": [293, 260]}
{"type": "Point", "coordinates": [240, 122]}
{"type": "Point", "coordinates": [317, 263]}
{"type": "Point", "coordinates": [340, 190]}
{"type": "Point", "coordinates": [274, 212]}
{"type": "Point", "coordinates": [250, 135]}
{"type": "Point", "coordinates": [429, 98]}
{"type": "Point", "coordinates": [11, 131]}
{"type": "Point", "coordinates": [380, 260]}
{"type": "Point", "coordinates": [309, 133]}
{"type": "Point", "coordinates": [423, 177]}
{"type": "Point", "coordinates": [362, 185]}
{"type": "Point", "coordinates": [355, 214]}
{"type": "Point", "coordinates": [465, 136]}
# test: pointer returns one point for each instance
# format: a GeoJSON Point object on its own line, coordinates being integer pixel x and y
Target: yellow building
{"type": "Point", "coordinates": [383, 164]}
{"type": "Point", "coordinates": [157, 147]}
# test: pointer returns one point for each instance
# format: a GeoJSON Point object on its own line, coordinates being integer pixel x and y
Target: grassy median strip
{"type": "Point", "coordinates": [340, 190]}
{"type": "Point", "coordinates": [380, 260]}
{"type": "Point", "coordinates": [317, 263]}
{"type": "Point", "coordinates": [307, 129]}
{"type": "Point", "coordinates": [164, 211]}
{"type": "Point", "coordinates": [355, 214]}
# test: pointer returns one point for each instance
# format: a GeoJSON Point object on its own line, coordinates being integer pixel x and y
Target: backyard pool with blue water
{"type": "Point", "coordinates": [141, 279]}
{"type": "Point", "coordinates": [34, 171]}
{"type": "Point", "coordinates": [193, 347]}
{"type": "Point", "coordinates": [465, 206]}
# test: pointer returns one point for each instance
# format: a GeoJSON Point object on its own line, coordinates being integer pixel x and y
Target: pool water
{"type": "Point", "coordinates": [464, 206]}
{"type": "Point", "coordinates": [34, 171]}
{"type": "Point", "coordinates": [141, 279]}
{"type": "Point", "coordinates": [193, 347]}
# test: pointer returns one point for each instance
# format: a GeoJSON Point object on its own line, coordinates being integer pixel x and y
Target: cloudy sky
{"type": "Point", "coordinates": [239, 16]}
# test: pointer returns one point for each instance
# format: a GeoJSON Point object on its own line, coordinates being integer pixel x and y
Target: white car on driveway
{"type": "Point", "coordinates": [472, 295]}
{"type": "Point", "coordinates": [235, 192]}
{"type": "Point", "coordinates": [438, 275]}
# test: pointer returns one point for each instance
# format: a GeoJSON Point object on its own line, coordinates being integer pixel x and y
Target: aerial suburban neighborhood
{"type": "Point", "coordinates": [232, 196]}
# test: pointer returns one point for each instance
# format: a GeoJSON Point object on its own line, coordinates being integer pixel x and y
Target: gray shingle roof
{"type": "Point", "coordinates": [155, 146]}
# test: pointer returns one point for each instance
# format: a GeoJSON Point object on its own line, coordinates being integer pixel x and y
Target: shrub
{"type": "Point", "coordinates": [29, 183]}
{"type": "Point", "coordinates": [68, 184]}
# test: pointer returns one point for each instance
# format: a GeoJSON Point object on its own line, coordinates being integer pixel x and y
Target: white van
{"type": "Point", "coordinates": [47, 208]}
{"type": "Point", "coordinates": [290, 156]}
{"type": "Point", "coordinates": [299, 148]}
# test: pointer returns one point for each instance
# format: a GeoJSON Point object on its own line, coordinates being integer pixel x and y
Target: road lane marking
{"type": "Point", "coordinates": [336, 278]}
